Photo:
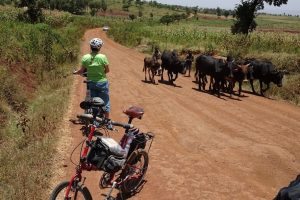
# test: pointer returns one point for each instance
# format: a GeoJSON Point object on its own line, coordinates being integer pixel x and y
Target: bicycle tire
{"type": "Point", "coordinates": [131, 185]}
{"type": "Point", "coordinates": [81, 189]}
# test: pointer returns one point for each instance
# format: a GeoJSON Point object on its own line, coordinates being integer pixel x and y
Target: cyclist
{"type": "Point", "coordinates": [96, 65]}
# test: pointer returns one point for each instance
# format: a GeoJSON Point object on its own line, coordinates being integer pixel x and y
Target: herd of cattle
{"type": "Point", "coordinates": [224, 72]}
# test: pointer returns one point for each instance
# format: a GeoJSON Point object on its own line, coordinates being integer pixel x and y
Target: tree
{"type": "Point", "coordinates": [195, 10]}
{"type": "Point", "coordinates": [246, 12]}
{"type": "Point", "coordinates": [125, 7]}
{"type": "Point", "coordinates": [226, 13]}
{"type": "Point", "coordinates": [33, 13]}
{"type": "Point", "coordinates": [103, 5]}
{"type": "Point", "coordinates": [95, 6]}
{"type": "Point", "coordinates": [219, 11]}
{"type": "Point", "coordinates": [166, 19]}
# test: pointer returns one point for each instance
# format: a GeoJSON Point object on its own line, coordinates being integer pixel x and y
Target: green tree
{"type": "Point", "coordinates": [125, 7]}
{"type": "Point", "coordinates": [166, 19]}
{"type": "Point", "coordinates": [103, 5]}
{"type": "Point", "coordinates": [226, 13]}
{"type": "Point", "coordinates": [219, 12]}
{"type": "Point", "coordinates": [246, 12]}
{"type": "Point", "coordinates": [94, 6]}
{"type": "Point", "coordinates": [34, 13]}
{"type": "Point", "coordinates": [195, 10]}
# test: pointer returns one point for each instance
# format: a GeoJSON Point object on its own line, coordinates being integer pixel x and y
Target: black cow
{"type": "Point", "coordinates": [151, 65]}
{"type": "Point", "coordinates": [217, 69]}
{"type": "Point", "coordinates": [171, 63]}
{"type": "Point", "coordinates": [266, 73]}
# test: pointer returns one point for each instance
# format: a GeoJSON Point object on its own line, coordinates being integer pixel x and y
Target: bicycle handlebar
{"type": "Point", "coordinates": [125, 126]}
{"type": "Point", "coordinates": [106, 121]}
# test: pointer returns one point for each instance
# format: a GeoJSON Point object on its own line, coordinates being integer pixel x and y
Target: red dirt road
{"type": "Point", "coordinates": [205, 147]}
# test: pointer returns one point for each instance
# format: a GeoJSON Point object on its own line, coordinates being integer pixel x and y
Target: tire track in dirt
{"type": "Point", "coordinates": [205, 147]}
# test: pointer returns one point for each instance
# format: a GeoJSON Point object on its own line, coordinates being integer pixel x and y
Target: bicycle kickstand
{"type": "Point", "coordinates": [108, 197]}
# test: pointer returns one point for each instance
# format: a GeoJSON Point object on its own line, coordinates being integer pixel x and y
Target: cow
{"type": "Point", "coordinates": [237, 73]}
{"type": "Point", "coordinates": [171, 63]}
{"type": "Point", "coordinates": [151, 65]}
{"type": "Point", "coordinates": [217, 69]}
{"type": "Point", "coordinates": [266, 73]}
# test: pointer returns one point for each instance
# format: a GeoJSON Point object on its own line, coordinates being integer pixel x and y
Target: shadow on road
{"type": "Point", "coordinates": [149, 82]}
{"type": "Point", "coordinates": [169, 83]}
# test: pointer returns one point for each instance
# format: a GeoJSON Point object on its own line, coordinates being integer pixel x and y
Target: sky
{"type": "Point", "coordinates": [292, 7]}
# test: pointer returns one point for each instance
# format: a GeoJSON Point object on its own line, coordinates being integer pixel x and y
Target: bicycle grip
{"type": "Point", "coordinates": [126, 126]}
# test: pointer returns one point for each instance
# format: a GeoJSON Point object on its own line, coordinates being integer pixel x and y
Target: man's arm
{"type": "Point", "coordinates": [80, 71]}
{"type": "Point", "coordinates": [106, 70]}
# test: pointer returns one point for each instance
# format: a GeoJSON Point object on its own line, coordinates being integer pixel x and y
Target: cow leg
{"type": "Point", "coordinates": [200, 80]}
{"type": "Point", "coordinates": [149, 74]}
{"type": "Point", "coordinates": [145, 75]}
{"type": "Point", "coordinates": [170, 76]}
{"type": "Point", "coordinates": [230, 88]}
{"type": "Point", "coordinates": [251, 83]}
{"type": "Point", "coordinates": [162, 74]}
{"type": "Point", "coordinates": [176, 76]}
{"type": "Point", "coordinates": [240, 87]}
{"type": "Point", "coordinates": [217, 87]}
{"type": "Point", "coordinates": [211, 83]}
{"type": "Point", "coordinates": [197, 75]}
{"type": "Point", "coordinates": [261, 88]}
{"type": "Point", "coordinates": [204, 81]}
{"type": "Point", "coordinates": [153, 76]}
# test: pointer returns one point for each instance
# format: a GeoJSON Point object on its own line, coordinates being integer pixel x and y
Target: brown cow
{"type": "Point", "coordinates": [152, 65]}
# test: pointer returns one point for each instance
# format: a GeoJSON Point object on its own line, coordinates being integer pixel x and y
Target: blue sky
{"type": "Point", "coordinates": [292, 7]}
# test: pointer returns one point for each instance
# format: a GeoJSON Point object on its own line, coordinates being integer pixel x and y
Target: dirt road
{"type": "Point", "coordinates": [205, 147]}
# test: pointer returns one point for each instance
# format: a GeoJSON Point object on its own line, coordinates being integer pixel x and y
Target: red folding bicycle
{"type": "Point", "coordinates": [124, 164]}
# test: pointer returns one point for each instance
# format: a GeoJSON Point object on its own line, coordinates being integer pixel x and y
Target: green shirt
{"type": "Point", "coordinates": [95, 65]}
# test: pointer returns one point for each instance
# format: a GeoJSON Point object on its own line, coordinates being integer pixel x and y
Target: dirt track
{"type": "Point", "coordinates": [205, 147]}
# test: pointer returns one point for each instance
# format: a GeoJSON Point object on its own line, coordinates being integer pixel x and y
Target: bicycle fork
{"type": "Point", "coordinates": [114, 185]}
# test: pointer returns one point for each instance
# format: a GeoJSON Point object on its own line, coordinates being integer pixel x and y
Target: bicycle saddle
{"type": "Point", "coordinates": [134, 112]}
{"type": "Point", "coordinates": [95, 102]}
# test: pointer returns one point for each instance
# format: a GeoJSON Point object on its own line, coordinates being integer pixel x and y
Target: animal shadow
{"type": "Point", "coordinates": [256, 94]}
{"type": "Point", "coordinates": [149, 82]}
{"type": "Point", "coordinates": [169, 83]}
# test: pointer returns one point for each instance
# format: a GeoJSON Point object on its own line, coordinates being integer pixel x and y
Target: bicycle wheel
{"type": "Point", "coordinates": [77, 192]}
{"type": "Point", "coordinates": [135, 168]}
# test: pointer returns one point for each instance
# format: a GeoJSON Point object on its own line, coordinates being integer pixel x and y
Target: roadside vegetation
{"type": "Point", "coordinates": [36, 59]}
{"type": "Point", "coordinates": [35, 62]}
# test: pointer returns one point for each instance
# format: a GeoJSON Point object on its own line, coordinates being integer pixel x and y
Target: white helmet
{"type": "Point", "coordinates": [96, 43]}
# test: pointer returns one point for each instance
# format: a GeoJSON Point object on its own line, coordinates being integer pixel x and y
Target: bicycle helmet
{"type": "Point", "coordinates": [96, 43]}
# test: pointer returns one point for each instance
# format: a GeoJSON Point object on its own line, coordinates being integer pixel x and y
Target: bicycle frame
{"type": "Point", "coordinates": [83, 165]}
